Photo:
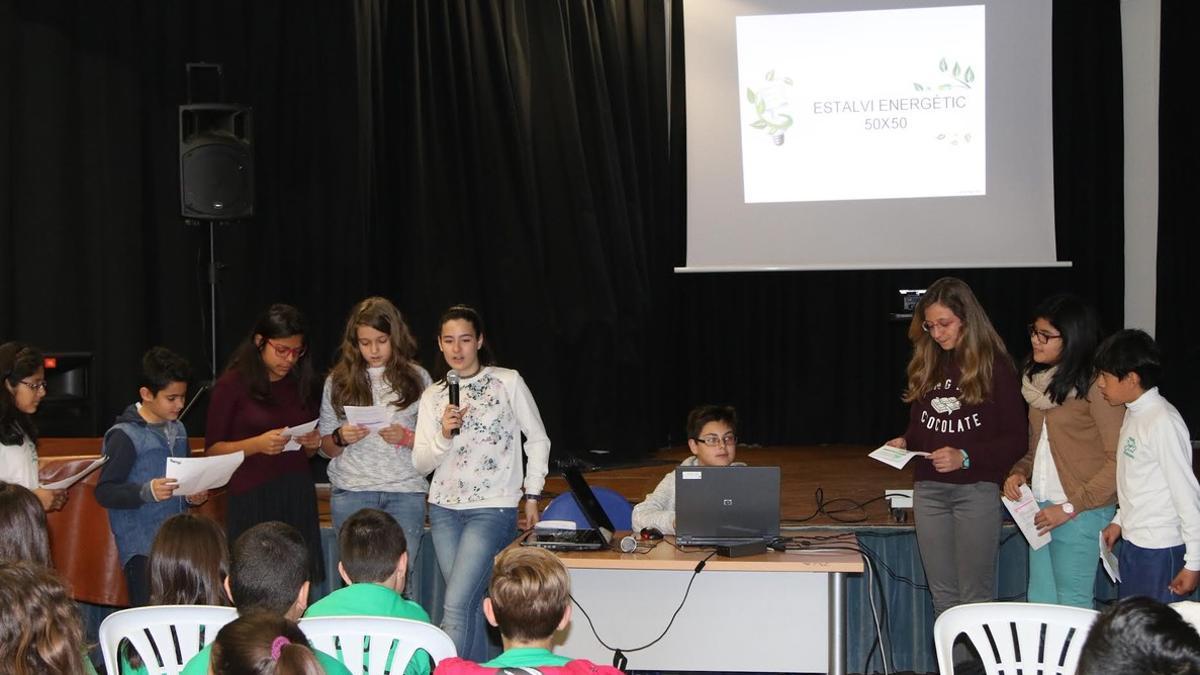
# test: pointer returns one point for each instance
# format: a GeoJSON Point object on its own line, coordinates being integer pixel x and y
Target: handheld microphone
{"type": "Point", "coordinates": [452, 388]}
{"type": "Point", "coordinates": [628, 544]}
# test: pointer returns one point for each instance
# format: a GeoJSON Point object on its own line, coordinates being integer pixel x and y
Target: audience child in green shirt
{"type": "Point", "coordinates": [529, 600]}
{"type": "Point", "coordinates": [268, 572]}
{"type": "Point", "coordinates": [374, 564]}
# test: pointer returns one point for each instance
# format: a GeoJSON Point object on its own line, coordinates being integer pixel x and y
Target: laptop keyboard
{"type": "Point", "coordinates": [568, 536]}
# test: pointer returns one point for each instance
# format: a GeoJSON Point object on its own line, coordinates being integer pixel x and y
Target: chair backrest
{"type": "Point", "coordinates": [371, 645]}
{"type": "Point", "coordinates": [566, 507]}
{"type": "Point", "coordinates": [175, 633]}
{"type": "Point", "coordinates": [1028, 636]}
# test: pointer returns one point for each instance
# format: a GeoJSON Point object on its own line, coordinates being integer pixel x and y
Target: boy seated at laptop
{"type": "Point", "coordinates": [529, 599]}
{"type": "Point", "coordinates": [712, 438]}
{"type": "Point", "coordinates": [374, 562]}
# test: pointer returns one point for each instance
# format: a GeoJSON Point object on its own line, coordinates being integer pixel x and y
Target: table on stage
{"type": "Point", "coordinates": [772, 612]}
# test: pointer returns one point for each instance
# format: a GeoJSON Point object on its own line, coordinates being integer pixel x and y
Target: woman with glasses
{"type": "Point", "coordinates": [1071, 464]}
{"type": "Point", "coordinates": [712, 438]}
{"type": "Point", "coordinates": [24, 376]}
{"type": "Point", "coordinates": [267, 387]}
{"type": "Point", "coordinates": [966, 412]}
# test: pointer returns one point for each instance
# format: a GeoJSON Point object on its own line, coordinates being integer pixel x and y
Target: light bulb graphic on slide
{"type": "Point", "coordinates": [770, 100]}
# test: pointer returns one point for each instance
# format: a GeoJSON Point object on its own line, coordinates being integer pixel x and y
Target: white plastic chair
{"type": "Point", "coordinates": [174, 629]}
{"type": "Point", "coordinates": [327, 633]}
{"type": "Point", "coordinates": [1009, 636]}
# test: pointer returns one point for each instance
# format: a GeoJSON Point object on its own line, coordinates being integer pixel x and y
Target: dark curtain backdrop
{"type": "Point", "coordinates": [1178, 323]}
{"type": "Point", "coordinates": [525, 157]}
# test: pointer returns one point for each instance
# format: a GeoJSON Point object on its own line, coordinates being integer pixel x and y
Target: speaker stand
{"type": "Point", "coordinates": [214, 269]}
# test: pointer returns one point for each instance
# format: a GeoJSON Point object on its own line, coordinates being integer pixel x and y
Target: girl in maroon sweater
{"type": "Point", "coordinates": [268, 387]}
{"type": "Point", "coordinates": [968, 414]}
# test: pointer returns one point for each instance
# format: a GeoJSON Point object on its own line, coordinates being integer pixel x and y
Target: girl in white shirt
{"type": "Point", "coordinates": [474, 450]}
{"type": "Point", "coordinates": [24, 379]}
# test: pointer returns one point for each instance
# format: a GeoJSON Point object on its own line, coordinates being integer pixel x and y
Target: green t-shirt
{"type": "Point", "coordinates": [198, 665]}
{"type": "Point", "coordinates": [127, 669]}
{"type": "Point", "coordinates": [367, 599]}
{"type": "Point", "coordinates": [526, 657]}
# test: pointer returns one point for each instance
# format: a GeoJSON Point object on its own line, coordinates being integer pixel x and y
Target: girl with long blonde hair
{"type": "Point", "coordinates": [372, 468]}
{"type": "Point", "coordinates": [966, 411]}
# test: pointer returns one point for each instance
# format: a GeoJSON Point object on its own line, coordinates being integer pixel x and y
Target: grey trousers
{"type": "Point", "coordinates": [958, 533]}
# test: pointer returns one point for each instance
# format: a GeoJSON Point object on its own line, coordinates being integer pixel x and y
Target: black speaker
{"type": "Point", "coordinates": [216, 161]}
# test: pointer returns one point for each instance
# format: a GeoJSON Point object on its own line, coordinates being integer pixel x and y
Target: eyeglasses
{"type": "Point", "coordinates": [1041, 336]}
{"type": "Point", "coordinates": [36, 386]}
{"type": "Point", "coordinates": [283, 351]}
{"type": "Point", "coordinates": [715, 441]}
{"type": "Point", "coordinates": [928, 326]}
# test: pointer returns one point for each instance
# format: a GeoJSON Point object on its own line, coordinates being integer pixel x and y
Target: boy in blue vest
{"type": "Point", "coordinates": [374, 562]}
{"type": "Point", "coordinates": [132, 485]}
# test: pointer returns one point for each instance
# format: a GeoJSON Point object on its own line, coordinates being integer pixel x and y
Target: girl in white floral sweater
{"type": "Point", "coordinates": [474, 451]}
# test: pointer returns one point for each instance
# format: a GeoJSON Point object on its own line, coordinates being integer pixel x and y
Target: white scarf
{"type": "Point", "coordinates": [1034, 389]}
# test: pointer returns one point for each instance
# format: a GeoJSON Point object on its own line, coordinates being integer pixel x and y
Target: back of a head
{"type": "Point", "coordinates": [1140, 635]}
{"type": "Point", "coordinates": [268, 566]}
{"type": "Point", "coordinates": [370, 544]}
{"type": "Point", "coordinates": [188, 562]}
{"type": "Point", "coordinates": [23, 534]}
{"type": "Point", "coordinates": [1131, 351]}
{"type": "Point", "coordinates": [40, 628]}
{"type": "Point", "coordinates": [529, 591]}
{"type": "Point", "coordinates": [261, 643]}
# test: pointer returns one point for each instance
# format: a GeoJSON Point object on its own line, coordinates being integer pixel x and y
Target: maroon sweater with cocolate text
{"type": "Point", "coordinates": [994, 432]}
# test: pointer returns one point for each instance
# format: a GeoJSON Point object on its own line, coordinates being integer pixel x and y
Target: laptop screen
{"type": "Point", "coordinates": [726, 503]}
{"type": "Point", "coordinates": [587, 501]}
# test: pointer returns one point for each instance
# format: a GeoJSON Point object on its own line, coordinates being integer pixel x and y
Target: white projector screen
{"type": "Point", "coordinates": [864, 134]}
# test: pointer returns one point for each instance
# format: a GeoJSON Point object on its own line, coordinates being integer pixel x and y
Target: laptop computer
{"type": "Point", "coordinates": [594, 539]}
{"type": "Point", "coordinates": [719, 505]}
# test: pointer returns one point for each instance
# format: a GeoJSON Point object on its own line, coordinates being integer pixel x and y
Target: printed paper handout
{"type": "Point", "coordinates": [1023, 512]}
{"type": "Point", "coordinates": [1111, 566]}
{"type": "Point", "coordinates": [298, 430]}
{"type": "Point", "coordinates": [373, 417]}
{"type": "Point", "coordinates": [197, 474]}
{"type": "Point", "coordinates": [895, 457]}
{"type": "Point", "coordinates": [71, 480]}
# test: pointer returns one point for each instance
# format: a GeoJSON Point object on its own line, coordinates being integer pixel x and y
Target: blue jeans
{"type": "Point", "coordinates": [466, 542]}
{"type": "Point", "coordinates": [1149, 571]}
{"type": "Point", "coordinates": [1063, 572]}
{"type": "Point", "coordinates": [408, 508]}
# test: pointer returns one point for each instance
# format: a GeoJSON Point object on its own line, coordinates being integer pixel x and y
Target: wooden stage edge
{"type": "Point", "coordinates": [843, 475]}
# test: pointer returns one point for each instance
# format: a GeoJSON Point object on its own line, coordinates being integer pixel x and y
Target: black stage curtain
{"type": "Point", "coordinates": [1177, 326]}
{"type": "Point", "coordinates": [525, 157]}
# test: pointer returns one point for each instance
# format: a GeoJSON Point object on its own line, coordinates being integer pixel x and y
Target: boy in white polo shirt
{"type": "Point", "coordinates": [1157, 493]}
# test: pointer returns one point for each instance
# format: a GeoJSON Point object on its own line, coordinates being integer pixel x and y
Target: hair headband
{"type": "Point", "coordinates": [277, 646]}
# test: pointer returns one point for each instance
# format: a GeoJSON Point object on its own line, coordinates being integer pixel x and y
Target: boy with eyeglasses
{"type": "Point", "coordinates": [712, 438]}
